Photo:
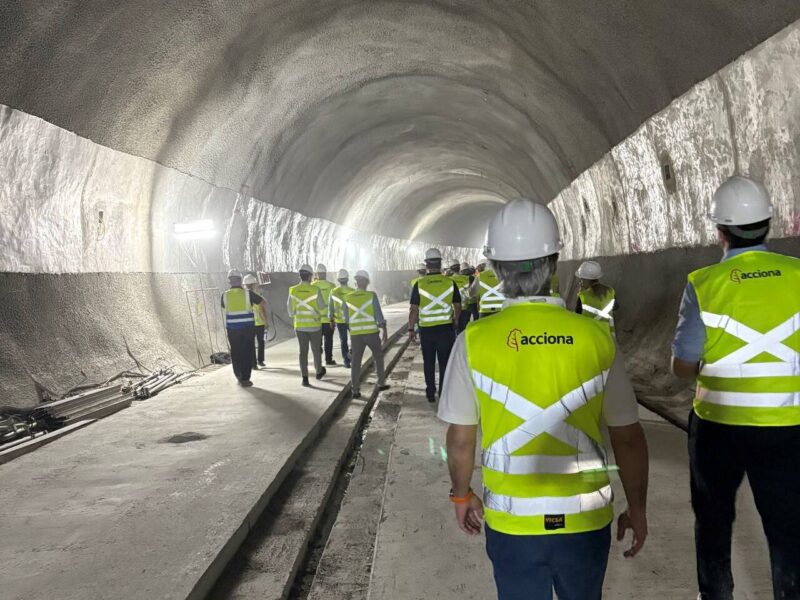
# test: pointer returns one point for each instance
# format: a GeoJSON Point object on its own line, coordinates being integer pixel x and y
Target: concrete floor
{"type": "Point", "coordinates": [421, 553]}
{"type": "Point", "coordinates": [117, 510]}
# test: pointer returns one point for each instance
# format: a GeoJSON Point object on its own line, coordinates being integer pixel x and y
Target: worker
{"type": "Point", "coordinates": [325, 286]}
{"type": "Point", "coordinates": [364, 317]}
{"type": "Point", "coordinates": [237, 306]}
{"type": "Point", "coordinates": [462, 281]}
{"type": "Point", "coordinates": [737, 333]}
{"type": "Point", "coordinates": [260, 317]}
{"type": "Point", "coordinates": [595, 300]}
{"type": "Point", "coordinates": [306, 308]}
{"type": "Point", "coordinates": [436, 306]}
{"type": "Point", "coordinates": [541, 381]}
{"type": "Point", "coordinates": [336, 312]}
{"type": "Point", "coordinates": [555, 292]}
{"type": "Point", "coordinates": [486, 288]}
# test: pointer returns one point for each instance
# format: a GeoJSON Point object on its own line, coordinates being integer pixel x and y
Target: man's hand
{"type": "Point", "coordinates": [637, 523]}
{"type": "Point", "coordinates": [412, 336]}
{"type": "Point", "coordinates": [384, 336]}
{"type": "Point", "coordinates": [470, 515]}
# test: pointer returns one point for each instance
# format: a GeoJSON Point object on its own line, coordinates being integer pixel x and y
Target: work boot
{"type": "Point", "coordinates": [431, 398]}
{"type": "Point", "coordinates": [356, 395]}
{"type": "Point", "coordinates": [246, 383]}
{"type": "Point", "coordinates": [321, 373]}
{"type": "Point", "coordinates": [305, 382]}
{"type": "Point", "coordinates": [347, 365]}
{"type": "Point", "coordinates": [330, 362]}
{"type": "Point", "coordinates": [383, 387]}
{"type": "Point", "coordinates": [262, 365]}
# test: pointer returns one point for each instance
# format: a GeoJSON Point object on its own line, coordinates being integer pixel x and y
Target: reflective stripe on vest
{"type": "Point", "coordinates": [598, 307]}
{"type": "Point", "coordinates": [437, 311]}
{"type": "Point", "coordinates": [490, 297]}
{"type": "Point", "coordinates": [238, 311]}
{"type": "Point", "coordinates": [361, 316]}
{"type": "Point", "coordinates": [549, 505]}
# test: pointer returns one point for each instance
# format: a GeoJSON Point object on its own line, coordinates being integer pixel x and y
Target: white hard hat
{"type": "Point", "coordinates": [740, 201]}
{"type": "Point", "coordinates": [433, 254]}
{"type": "Point", "coordinates": [522, 230]}
{"type": "Point", "coordinates": [343, 274]}
{"type": "Point", "coordinates": [248, 279]}
{"type": "Point", "coordinates": [589, 270]}
{"type": "Point", "coordinates": [307, 268]}
{"type": "Point", "coordinates": [234, 273]}
{"type": "Point", "coordinates": [421, 266]}
{"type": "Point", "coordinates": [321, 268]}
{"type": "Point", "coordinates": [362, 274]}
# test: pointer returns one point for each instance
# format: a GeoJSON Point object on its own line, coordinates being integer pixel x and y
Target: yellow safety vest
{"type": "Point", "coordinates": [257, 317]}
{"type": "Point", "coordinates": [435, 300]}
{"type": "Point", "coordinates": [361, 312]}
{"type": "Point", "coordinates": [539, 372]}
{"type": "Point", "coordinates": [238, 314]}
{"type": "Point", "coordinates": [325, 287]}
{"type": "Point", "coordinates": [337, 295]}
{"type": "Point", "coordinates": [490, 298]}
{"type": "Point", "coordinates": [554, 291]}
{"type": "Point", "coordinates": [304, 305]}
{"type": "Point", "coordinates": [750, 372]}
{"type": "Point", "coordinates": [599, 308]}
{"type": "Point", "coordinates": [462, 281]}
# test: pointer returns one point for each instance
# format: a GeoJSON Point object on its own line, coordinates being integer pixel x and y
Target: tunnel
{"type": "Point", "coordinates": [147, 148]}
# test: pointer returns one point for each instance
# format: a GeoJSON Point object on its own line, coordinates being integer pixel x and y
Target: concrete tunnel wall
{"type": "Point", "coordinates": [420, 133]}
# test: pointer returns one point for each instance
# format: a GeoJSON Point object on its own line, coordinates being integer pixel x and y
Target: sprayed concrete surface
{"type": "Point", "coordinates": [153, 501]}
{"type": "Point", "coordinates": [422, 554]}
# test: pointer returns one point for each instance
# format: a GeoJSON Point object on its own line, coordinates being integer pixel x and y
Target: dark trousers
{"type": "Point", "coordinates": [242, 351]}
{"type": "Point", "coordinates": [259, 345]}
{"type": "Point", "coordinates": [473, 309]}
{"type": "Point", "coordinates": [436, 344]}
{"type": "Point", "coordinates": [719, 457]}
{"type": "Point", "coordinates": [528, 567]}
{"type": "Point", "coordinates": [327, 341]}
{"type": "Point", "coordinates": [463, 319]}
{"type": "Point", "coordinates": [342, 329]}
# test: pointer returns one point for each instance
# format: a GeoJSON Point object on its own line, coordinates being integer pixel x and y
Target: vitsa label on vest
{"type": "Point", "coordinates": [737, 275]}
{"type": "Point", "coordinates": [553, 522]}
{"type": "Point", "coordinates": [517, 338]}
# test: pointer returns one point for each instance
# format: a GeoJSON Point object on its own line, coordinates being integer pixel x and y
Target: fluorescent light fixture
{"type": "Point", "coordinates": [195, 230]}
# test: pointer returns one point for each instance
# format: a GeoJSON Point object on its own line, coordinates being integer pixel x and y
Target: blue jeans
{"type": "Point", "coordinates": [342, 329]}
{"type": "Point", "coordinates": [529, 567]}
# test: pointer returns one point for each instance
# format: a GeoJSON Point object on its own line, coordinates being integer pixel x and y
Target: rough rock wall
{"type": "Point", "coordinates": [744, 119]}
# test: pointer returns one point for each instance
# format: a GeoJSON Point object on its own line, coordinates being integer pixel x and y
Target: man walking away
{"type": "Point", "coordinates": [336, 313]}
{"type": "Point", "coordinates": [540, 381]}
{"type": "Point", "coordinates": [325, 287]}
{"type": "Point", "coordinates": [595, 300]}
{"type": "Point", "coordinates": [463, 280]}
{"type": "Point", "coordinates": [364, 316]}
{"type": "Point", "coordinates": [436, 305]}
{"type": "Point", "coordinates": [486, 288]}
{"type": "Point", "coordinates": [237, 305]}
{"type": "Point", "coordinates": [306, 307]}
{"type": "Point", "coordinates": [260, 317]}
{"type": "Point", "coordinates": [737, 334]}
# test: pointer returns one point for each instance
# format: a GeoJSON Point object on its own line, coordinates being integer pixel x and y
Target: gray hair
{"type": "Point", "coordinates": [526, 278]}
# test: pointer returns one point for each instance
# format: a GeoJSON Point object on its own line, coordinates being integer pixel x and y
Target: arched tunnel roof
{"type": "Point", "coordinates": [411, 119]}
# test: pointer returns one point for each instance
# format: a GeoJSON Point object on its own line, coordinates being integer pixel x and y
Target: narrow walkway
{"type": "Point", "coordinates": [422, 554]}
{"type": "Point", "coordinates": [153, 501]}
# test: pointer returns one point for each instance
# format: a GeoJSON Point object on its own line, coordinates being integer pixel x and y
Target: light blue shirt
{"type": "Point", "coordinates": [690, 334]}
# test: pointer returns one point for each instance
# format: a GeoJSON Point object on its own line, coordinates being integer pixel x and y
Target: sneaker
{"type": "Point", "coordinates": [384, 387]}
{"type": "Point", "coordinates": [356, 395]}
{"type": "Point", "coordinates": [305, 382]}
{"type": "Point", "coordinates": [347, 365]}
{"type": "Point", "coordinates": [330, 363]}
{"type": "Point", "coordinates": [321, 373]}
{"type": "Point", "coordinates": [261, 364]}
{"type": "Point", "coordinates": [246, 383]}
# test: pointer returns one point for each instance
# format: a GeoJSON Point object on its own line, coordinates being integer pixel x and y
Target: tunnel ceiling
{"type": "Point", "coordinates": [412, 119]}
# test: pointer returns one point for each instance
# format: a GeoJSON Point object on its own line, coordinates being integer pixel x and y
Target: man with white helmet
{"type": "Point", "coordinates": [463, 280]}
{"type": "Point", "coordinates": [595, 300]}
{"type": "Point", "coordinates": [260, 317]}
{"type": "Point", "coordinates": [363, 314]}
{"type": "Point", "coordinates": [435, 304]}
{"type": "Point", "coordinates": [486, 288]}
{"type": "Point", "coordinates": [737, 333]}
{"type": "Point", "coordinates": [336, 312]}
{"type": "Point", "coordinates": [237, 306]}
{"type": "Point", "coordinates": [541, 381]}
{"type": "Point", "coordinates": [325, 286]}
{"type": "Point", "coordinates": [307, 308]}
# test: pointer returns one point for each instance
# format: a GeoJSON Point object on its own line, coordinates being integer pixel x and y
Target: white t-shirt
{"type": "Point", "coordinates": [458, 404]}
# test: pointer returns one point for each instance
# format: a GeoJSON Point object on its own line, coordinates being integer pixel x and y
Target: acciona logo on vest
{"type": "Point", "coordinates": [517, 338]}
{"type": "Point", "coordinates": [737, 275]}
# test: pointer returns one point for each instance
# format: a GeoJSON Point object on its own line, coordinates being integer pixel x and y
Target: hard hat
{"type": "Point", "coordinates": [464, 266]}
{"type": "Point", "coordinates": [343, 274]}
{"type": "Point", "coordinates": [455, 265]}
{"type": "Point", "coordinates": [307, 268]}
{"type": "Point", "coordinates": [234, 273]}
{"type": "Point", "coordinates": [589, 270]}
{"type": "Point", "coordinates": [248, 279]}
{"type": "Point", "coordinates": [740, 201]}
{"type": "Point", "coordinates": [433, 254]}
{"type": "Point", "coordinates": [522, 230]}
{"type": "Point", "coordinates": [362, 275]}
{"type": "Point", "coordinates": [321, 268]}
{"type": "Point", "coordinates": [421, 266]}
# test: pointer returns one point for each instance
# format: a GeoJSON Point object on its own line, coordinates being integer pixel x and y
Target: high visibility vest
{"type": "Point", "coordinates": [462, 281]}
{"type": "Point", "coordinates": [599, 308]}
{"type": "Point", "coordinates": [337, 296]}
{"type": "Point", "coordinates": [304, 305]}
{"type": "Point", "coordinates": [554, 291]}
{"type": "Point", "coordinates": [325, 287]}
{"type": "Point", "coordinates": [539, 372]}
{"type": "Point", "coordinates": [435, 300]}
{"type": "Point", "coordinates": [490, 298]}
{"type": "Point", "coordinates": [361, 312]}
{"type": "Point", "coordinates": [259, 320]}
{"type": "Point", "coordinates": [238, 313]}
{"type": "Point", "coordinates": [750, 373]}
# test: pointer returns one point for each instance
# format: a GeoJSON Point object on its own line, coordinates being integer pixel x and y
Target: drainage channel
{"type": "Point", "coordinates": [280, 555]}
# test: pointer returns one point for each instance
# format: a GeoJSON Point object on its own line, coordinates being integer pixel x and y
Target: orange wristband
{"type": "Point", "coordinates": [462, 500]}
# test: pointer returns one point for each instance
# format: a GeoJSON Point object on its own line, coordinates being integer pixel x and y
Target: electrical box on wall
{"type": "Point", "coordinates": [263, 278]}
{"type": "Point", "coordinates": [668, 173]}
